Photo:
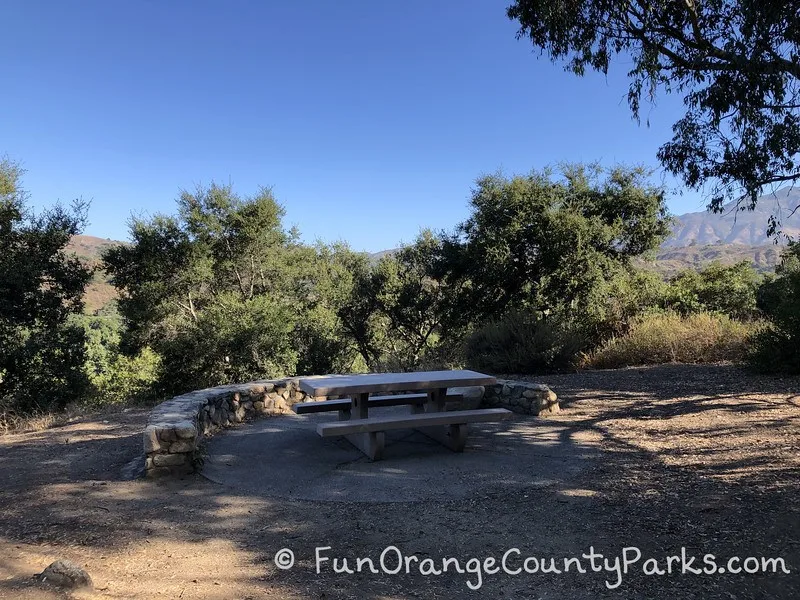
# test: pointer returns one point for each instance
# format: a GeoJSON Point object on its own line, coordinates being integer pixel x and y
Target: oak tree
{"type": "Point", "coordinates": [736, 63]}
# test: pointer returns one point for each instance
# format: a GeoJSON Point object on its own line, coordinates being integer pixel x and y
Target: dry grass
{"type": "Point", "coordinates": [89, 250]}
{"type": "Point", "coordinates": [11, 422]}
{"type": "Point", "coordinates": [671, 338]}
{"type": "Point", "coordinates": [98, 294]}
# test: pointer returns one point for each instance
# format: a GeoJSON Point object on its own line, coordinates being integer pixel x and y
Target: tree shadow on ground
{"type": "Point", "coordinates": [191, 538]}
{"type": "Point", "coordinates": [666, 382]}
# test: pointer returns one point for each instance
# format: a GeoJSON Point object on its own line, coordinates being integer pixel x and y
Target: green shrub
{"type": "Point", "coordinates": [729, 290]}
{"type": "Point", "coordinates": [114, 377]}
{"type": "Point", "coordinates": [231, 341]}
{"type": "Point", "coordinates": [774, 351]}
{"type": "Point", "coordinates": [525, 343]}
{"type": "Point", "coordinates": [672, 338]}
{"type": "Point", "coordinates": [128, 379]}
{"type": "Point", "coordinates": [776, 347]}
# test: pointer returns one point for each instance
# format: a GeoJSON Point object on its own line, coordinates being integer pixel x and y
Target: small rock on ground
{"type": "Point", "coordinates": [65, 574]}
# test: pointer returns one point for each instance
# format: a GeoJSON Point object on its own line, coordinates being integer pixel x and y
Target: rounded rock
{"type": "Point", "coordinates": [65, 574]}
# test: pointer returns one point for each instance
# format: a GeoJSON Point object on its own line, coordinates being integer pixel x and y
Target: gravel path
{"type": "Point", "coordinates": [700, 458]}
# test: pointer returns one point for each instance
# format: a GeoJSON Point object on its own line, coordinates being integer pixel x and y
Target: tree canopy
{"type": "Point", "coordinates": [729, 290]}
{"type": "Point", "coordinates": [736, 63]}
{"type": "Point", "coordinates": [400, 312]}
{"type": "Point", "coordinates": [41, 352]}
{"type": "Point", "coordinates": [541, 243]}
{"type": "Point", "coordinates": [777, 347]}
{"type": "Point", "coordinates": [540, 274]}
{"type": "Point", "coordinates": [223, 292]}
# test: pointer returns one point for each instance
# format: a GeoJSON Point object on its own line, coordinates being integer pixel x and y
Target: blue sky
{"type": "Point", "coordinates": [370, 120]}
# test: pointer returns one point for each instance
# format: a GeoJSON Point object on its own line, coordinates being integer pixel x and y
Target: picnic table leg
{"type": "Point", "coordinates": [436, 400]}
{"type": "Point", "coordinates": [457, 437]}
{"type": "Point", "coordinates": [360, 405]}
{"type": "Point", "coordinates": [451, 436]}
{"type": "Point", "coordinates": [371, 443]}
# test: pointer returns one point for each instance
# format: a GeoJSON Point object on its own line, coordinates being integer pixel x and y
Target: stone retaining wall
{"type": "Point", "coordinates": [177, 427]}
{"type": "Point", "coordinates": [521, 397]}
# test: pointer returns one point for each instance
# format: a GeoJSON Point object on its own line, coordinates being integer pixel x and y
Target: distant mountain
{"type": "Point", "coordinates": [698, 238]}
{"type": "Point", "coordinates": [738, 227]}
{"type": "Point", "coordinates": [374, 257]}
{"type": "Point", "coordinates": [672, 259]}
{"type": "Point", "coordinates": [88, 249]}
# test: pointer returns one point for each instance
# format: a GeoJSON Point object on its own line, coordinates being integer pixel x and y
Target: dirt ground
{"type": "Point", "coordinates": [703, 458]}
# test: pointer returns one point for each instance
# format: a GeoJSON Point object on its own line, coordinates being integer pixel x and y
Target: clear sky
{"type": "Point", "coordinates": [369, 119]}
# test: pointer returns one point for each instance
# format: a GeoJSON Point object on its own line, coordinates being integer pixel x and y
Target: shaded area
{"type": "Point", "coordinates": [303, 466]}
{"type": "Point", "coordinates": [712, 421]}
{"type": "Point", "coordinates": [639, 429]}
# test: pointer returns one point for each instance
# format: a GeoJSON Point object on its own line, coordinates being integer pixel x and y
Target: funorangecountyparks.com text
{"type": "Point", "coordinates": [515, 562]}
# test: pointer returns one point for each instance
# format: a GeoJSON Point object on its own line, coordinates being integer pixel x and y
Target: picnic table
{"type": "Point", "coordinates": [426, 392]}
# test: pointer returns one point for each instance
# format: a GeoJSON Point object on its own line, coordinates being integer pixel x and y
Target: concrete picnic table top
{"type": "Point", "coordinates": [340, 385]}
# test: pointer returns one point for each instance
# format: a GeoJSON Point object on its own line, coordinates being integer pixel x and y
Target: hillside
{"type": "Point", "coordinates": [88, 249]}
{"type": "Point", "coordinates": [747, 228]}
{"type": "Point", "coordinates": [698, 239]}
{"type": "Point", "coordinates": [671, 260]}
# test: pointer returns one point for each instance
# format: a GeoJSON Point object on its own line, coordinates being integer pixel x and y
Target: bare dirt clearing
{"type": "Point", "coordinates": [704, 458]}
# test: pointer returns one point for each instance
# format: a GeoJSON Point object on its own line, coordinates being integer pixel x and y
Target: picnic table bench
{"type": "Point", "coordinates": [425, 392]}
